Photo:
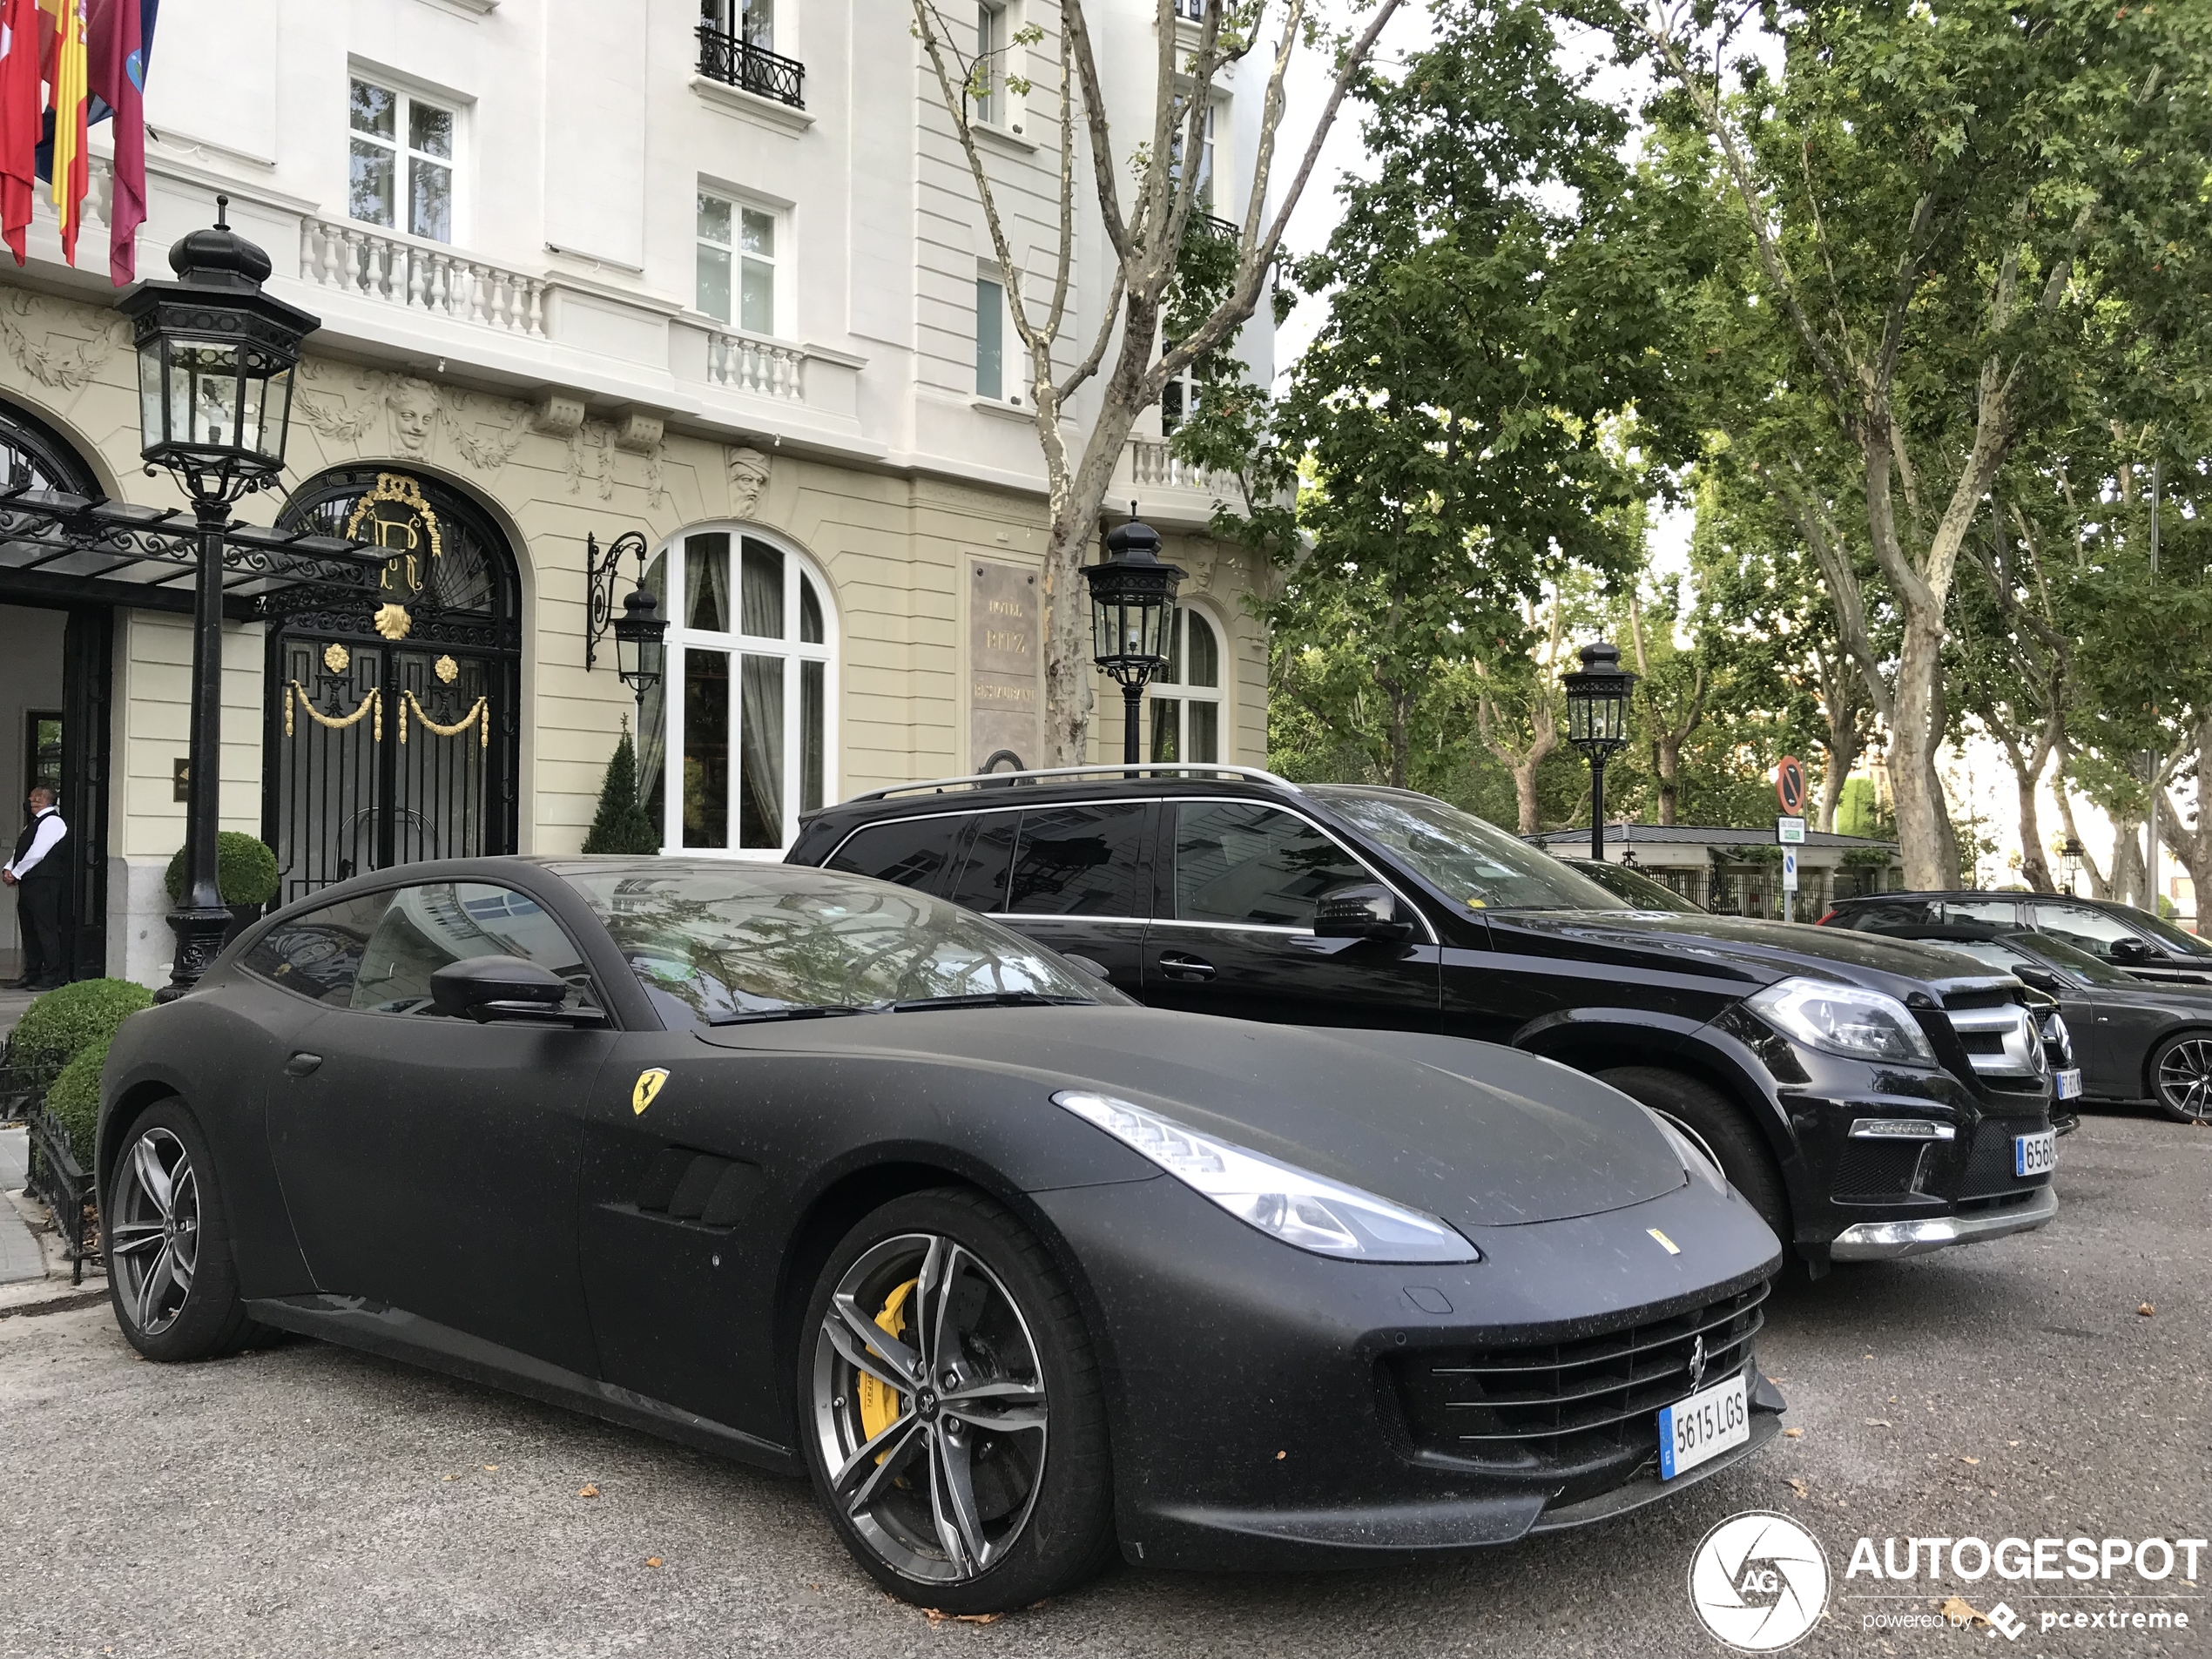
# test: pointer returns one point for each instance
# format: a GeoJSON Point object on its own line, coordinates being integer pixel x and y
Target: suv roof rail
{"type": "Point", "coordinates": [988, 779]}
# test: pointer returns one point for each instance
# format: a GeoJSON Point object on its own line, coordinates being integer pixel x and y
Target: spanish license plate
{"type": "Point", "coordinates": [1703, 1426]}
{"type": "Point", "coordinates": [2035, 1153]}
{"type": "Point", "coordinates": [2067, 1084]}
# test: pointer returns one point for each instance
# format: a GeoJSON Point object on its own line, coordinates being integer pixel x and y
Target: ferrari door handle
{"type": "Point", "coordinates": [300, 1064]}
{"type": "Point", "coordinates": [1176, 965]}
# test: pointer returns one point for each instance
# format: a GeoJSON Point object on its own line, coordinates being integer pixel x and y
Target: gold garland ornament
{"type": "Point", "coordinates": [373, 702]}
{"type": "Point", "coordinates": [479, 716]}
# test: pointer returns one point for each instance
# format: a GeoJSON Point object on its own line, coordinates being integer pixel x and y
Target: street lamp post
{"type": "Point", "coordinates": [1132, 597]}
{"type": "Point", "coordinates": [215, 362]}
{"type": "Point", "coordinates": [1597, 722]}
{"type": "Point", "coordinates": [641, 632]}
{"type": "Point", "coordinates": [2070, 863]}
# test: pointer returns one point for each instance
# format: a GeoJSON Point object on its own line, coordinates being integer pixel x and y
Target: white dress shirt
{"type": "Point", "coordinates": [47, 838]}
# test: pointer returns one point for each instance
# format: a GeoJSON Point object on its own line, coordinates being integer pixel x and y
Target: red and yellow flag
{"type": "Point", "coordinates": [67, 76]}
{"type": "Point", "coordinates": [22, 106]}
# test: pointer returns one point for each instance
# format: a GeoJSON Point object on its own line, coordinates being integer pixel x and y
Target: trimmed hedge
{"type": "Point", "coordinates": [73, 1100]}
{"type": "Point", "coordinates": [245, 871]}
{"type": "Point", "coordinates": [65, 1022]}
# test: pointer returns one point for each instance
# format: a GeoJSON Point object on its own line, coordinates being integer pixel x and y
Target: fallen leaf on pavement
{"type": "Point", "coordinates": [2146, 1310]}
{"type": "Point", "coordinates": [652, 1561]}
{"type": "Point", "coordinates": [1961, 1611]}
{"type": "Point", "coordinates": [491, 1468]}
{"type": "Point", "coordinates": [1793, 1434]}
{"type": "Point", "coordinates": [1800, 1488]}
{"type": "Point", "coordinates": [1876, 1422]}
{"type": "Point", "coordinates": [1969, 1459]}
{"type": "Point", "coordinates": [937, 1615]}
{"type": "Point", "coordinates": [587, 1491]}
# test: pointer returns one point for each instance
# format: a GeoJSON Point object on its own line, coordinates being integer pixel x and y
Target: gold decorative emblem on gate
{"type": "Point", "coordinates": [371, 704]}
{"type": "Point", "coordinates": [336, 657]}
{"type": "Point", "coordinates": [398, 520]}
{"type": "Point", "coordinates": [447, 669]}
{"type": "Point", "coordinates": [393, 622]}
{"type": "Point", "coordinates": [479, 716]}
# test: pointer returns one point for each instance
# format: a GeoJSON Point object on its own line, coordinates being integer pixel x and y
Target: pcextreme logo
{"type": "Point", "coordinates": [1759, 1581]}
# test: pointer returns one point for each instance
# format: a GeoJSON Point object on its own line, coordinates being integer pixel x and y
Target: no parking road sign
{"type": "Point", "coordinates": [1790, 784]}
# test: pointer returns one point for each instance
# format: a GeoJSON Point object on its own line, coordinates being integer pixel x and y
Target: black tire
{"type": "Point", "coordinates": [2180, 1072]}
{"type": "Point", "coordinates": [166, 1316]}
{"type": "Point", "coordinates": [1015, 1332]}
{"type": "Point", "coordinates": [1711, 1119]}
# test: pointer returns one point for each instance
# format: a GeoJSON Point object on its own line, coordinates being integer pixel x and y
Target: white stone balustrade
{"type": "Point", "coordinates": [359, 259]}
{"type": "Point", "coordinates": [748, 363]}
{"type": "Point", "coordinates": [1152, 464]}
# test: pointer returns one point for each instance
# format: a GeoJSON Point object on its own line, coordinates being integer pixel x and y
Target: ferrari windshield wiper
{"type": "Point", "coordinates": [989, 999]}
{"type": "Point", "coordinates": [752, 1016]}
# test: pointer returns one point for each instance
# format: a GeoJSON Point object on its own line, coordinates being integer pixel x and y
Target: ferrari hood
{"type": "Point", "coordinates": [1480, 1136]}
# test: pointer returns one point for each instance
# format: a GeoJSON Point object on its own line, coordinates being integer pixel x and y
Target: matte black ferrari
{"type": "Point", "coordinates": [841, 1179]}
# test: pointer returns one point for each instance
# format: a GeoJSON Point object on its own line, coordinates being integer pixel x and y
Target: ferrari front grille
{"type": "Point", "coordinates": [1561, 1404]}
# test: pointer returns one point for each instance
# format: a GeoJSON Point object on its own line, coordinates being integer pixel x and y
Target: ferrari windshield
{"type": "Point", "coordinates": [714, 941]}
{"type": "Point", "coordinates": [1477, 863]}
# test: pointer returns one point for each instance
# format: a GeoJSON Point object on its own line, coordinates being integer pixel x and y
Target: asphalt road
{"type": "Point", "coordinates": [310, 1501]}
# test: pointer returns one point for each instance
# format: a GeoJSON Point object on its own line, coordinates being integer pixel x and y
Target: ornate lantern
{"type": "Point", "coordinates": [1597, 722]}
{"type": "Point", "coordinates": [1132, 595]}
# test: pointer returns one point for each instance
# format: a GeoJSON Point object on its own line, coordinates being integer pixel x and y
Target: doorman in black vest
{"type": "Point", "coordinates": [38, 873]}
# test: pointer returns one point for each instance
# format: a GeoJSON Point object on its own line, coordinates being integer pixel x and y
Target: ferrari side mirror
{"type": "Point", "coordinates": [485, 988]}
{"type": "Point", "coordinates": [1361, 913]}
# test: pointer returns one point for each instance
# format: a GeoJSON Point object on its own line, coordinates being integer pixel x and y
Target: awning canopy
{"type": "Point", "coordinates": [69, 546]}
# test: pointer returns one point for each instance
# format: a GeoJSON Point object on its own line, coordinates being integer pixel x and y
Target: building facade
{"type": "Point", "coordinates": [710, 271]}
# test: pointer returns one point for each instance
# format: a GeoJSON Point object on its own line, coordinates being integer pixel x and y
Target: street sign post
{"type": "Point", "coordinates": [1791, 831]}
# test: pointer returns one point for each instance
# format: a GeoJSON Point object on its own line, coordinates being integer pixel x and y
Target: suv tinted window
{"type": "Point", "coordinates": [1886, 915]}
{"type": "Point", "coordinates": [1241, 862]}
{"type": "Point", "coordinates": [1081, 861]}
{"type": "Point", "coordinates": [981, 885]}
{"type": "Point", "coordinates": [2084, 926]}
{"type": "Point", "coordinates": [913, 854]}
{"type": "Point", "coordinates": [439, 922]}
{"type": "Point", "coordinates": [319, 954]}
{"type": "Point", "coordinates": [2003, 914]}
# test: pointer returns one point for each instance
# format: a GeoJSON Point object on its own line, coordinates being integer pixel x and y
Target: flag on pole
{"type": "Point", "coordinates": [22, 103]}
{"type": "Point", "coordinates": [119, 40]}
{"type": "Point", "coordinates": [66, 70]}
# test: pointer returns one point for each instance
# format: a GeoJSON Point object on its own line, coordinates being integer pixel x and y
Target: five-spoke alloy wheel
{"type": "Point", "coordinates": [954, 1416]}
{"type": "Point", "coordinates": [2181, 1075]}
{"type": "Point", "coordinates": [170, 1273]}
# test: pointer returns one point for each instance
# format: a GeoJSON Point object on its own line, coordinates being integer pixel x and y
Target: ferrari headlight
{"type": "Point", "coordinates": [1294, 1205]}
{"type": "Point", "coordinates": [1846, 1020]}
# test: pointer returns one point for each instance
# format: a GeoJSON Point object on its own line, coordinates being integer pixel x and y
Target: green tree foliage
{"type": "Point", "coordinates": [622, 825]}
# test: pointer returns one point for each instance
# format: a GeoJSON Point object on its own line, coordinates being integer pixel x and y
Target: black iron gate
{"type": "Point", "coordinates": [393, 732]}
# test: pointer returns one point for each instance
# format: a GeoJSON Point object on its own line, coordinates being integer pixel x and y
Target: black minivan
{"type": "Point", "coordinates": [1872, 1098]}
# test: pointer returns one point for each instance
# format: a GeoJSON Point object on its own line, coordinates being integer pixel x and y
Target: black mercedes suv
{"type": "Point", "coordinates": [1873, 1098]}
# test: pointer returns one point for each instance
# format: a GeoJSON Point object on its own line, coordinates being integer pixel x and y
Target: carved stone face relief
{"type": "Point", "coordinates": [748, 479]}
{"type": "Point", "coordinates": [414, 408]}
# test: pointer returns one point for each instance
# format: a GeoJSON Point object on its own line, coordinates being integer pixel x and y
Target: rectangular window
{"type": "Point", "coordinates": [762, 601]}
{"type": "Point", "coordinates": [1205, 734]}
{"type": "Point", "coordinates": [706, 748]}
{"type": "Point", "coordinates": [1083, 861]}
{"type": "Point", "coordinates": [812, 701]}
{"type": "Point", "coordinates": [990, 338]}
{"type": "Point", "coordinates": [707, 582]}
{"type": "Point", "coordinates": [990, 63]}
{"type": "Point", "coordinates": [751, 21]}
{"type": "Point", "coordinates": [1167, 722]}
{"type": "Point", "coordinates": [401, 161]}
{"type": "Point", "coordinates": [912, 854]}
{"type": "Point", "coordinates": [1252, 865]}
{"type": "Point", "coordinates": [981, 884]}
{"type": "Point", "coordinates": [736, 264]}
{"type": "Point", "coordinates": [760, 799]}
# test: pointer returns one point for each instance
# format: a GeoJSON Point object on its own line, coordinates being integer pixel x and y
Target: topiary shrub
{"type": "Point", "coordinates": [245, 871]}
{"type": "Point", "coordinates": [622, 824]}
{"type": "Point", "coordinates": [62, 1023]}
{"type": "Point", "coordinates": [73, 1100]}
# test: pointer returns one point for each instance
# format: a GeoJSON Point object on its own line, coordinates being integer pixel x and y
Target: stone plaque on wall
{"type": "Point", "coordinates": [1005, 661]}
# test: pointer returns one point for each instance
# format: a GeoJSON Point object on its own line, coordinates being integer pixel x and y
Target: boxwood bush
{"type": "Point", "coordinates": [245, 871]}
{"type": "Point", "coordinates": [73, 1100]}
{"type": "Point", "coordinates": [65, 1022]}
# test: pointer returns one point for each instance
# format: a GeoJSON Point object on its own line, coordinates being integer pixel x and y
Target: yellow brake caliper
{"type": "Point", "coordinates": [880, 1402]}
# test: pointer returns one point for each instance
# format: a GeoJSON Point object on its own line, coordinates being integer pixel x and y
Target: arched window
{"type": "Point", "coordinates": [739, 737]}
{"type": "Point", "coordinates": [1186, 694]}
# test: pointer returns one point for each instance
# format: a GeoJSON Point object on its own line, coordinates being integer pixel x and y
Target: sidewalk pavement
{"type": "Point", "coordinates": [12, 1003]}
{"type": "Point", "coordinates": [20, 1256]}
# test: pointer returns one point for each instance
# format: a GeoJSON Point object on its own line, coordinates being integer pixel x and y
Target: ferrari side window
{"type": "Point", "coordinates": [319, 954]}
{"type": "Point", "coordinates": [1081, 861]}
{"type": "Point", "coordinates": [1252, 865]}
{"type": "Point", "coordinates": [441, 922]}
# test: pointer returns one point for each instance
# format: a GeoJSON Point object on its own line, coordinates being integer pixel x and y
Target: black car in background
{"type": "Point", "coordinates": [2146, 946]}
{"type": "Point", "coordinates": [2136, 1041]}
{"type": "Point", "coordinates": [1634, 888]}
{"type": "Point", "coordinates": [1871, 1097]}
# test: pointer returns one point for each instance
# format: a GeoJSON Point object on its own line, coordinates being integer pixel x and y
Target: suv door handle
{"type": "Point", "coordinates": [300, 1064]}
{"type": "Point", "coordinates": [1178, 964]}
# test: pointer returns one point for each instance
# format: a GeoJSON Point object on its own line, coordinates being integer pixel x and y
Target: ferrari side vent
{"type": "Point", "coordinates": [1560, 1407]}
{"type": "Point", "coordinates": [686, 1185]}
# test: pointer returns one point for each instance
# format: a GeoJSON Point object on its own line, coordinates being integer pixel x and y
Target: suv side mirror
{"type": "Point", "coordinates": [485, 988]}
{"type": "Point", "coordinates": [2041, 978]}
{"type": "Point", "coordinates": [1361, 913]}
{"type": "Point", "coordinates": [2132, 950]}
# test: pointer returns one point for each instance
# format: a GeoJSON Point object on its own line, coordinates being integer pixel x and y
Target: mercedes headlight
{"type": "Point", "coordinates": [1294, 1205]}
{"type": "Point", "coordinates": [1846, 1020]}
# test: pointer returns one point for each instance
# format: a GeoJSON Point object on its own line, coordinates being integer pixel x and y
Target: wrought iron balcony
{"type": "Point", "coordinates": [737, 62]}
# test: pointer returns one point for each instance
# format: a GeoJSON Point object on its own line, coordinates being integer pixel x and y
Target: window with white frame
{"type": "Point", "coordinates": [990, 338]}
{"type": "Point", "coordinates": [752, 21]}
{"type": "Point", "coordinates": [1203, 201]}
{"type": "Point", "coordinates": [1186, 695]}
{"type": "Point", "coordinates": [736, 263]}
{"type": "Point", "coordinates": [992, 31]}
{"type": "Point", "coordinates": [1178, 401]}
{"type": "Point", "coordinates": [401, 160]}
{"type": "Point", "coordinates": [738, 739]}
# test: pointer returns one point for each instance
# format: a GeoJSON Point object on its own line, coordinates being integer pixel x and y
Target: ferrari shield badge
{"type": "Point", "coordinates": [648, 1088]}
